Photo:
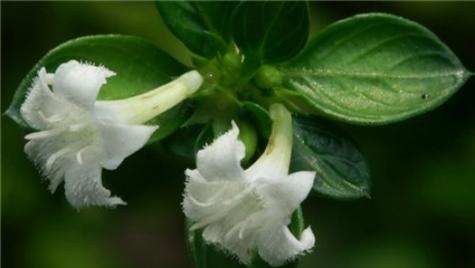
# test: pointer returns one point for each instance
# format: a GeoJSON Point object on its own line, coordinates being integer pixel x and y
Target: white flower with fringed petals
{"type": "Point", "coordinates": [77, 136]}
{"type": "Point", "coordinates": [249, 210]}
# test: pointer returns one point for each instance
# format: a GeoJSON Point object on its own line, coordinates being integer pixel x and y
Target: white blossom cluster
{"type": "Point", "coordinates": [243, 211]}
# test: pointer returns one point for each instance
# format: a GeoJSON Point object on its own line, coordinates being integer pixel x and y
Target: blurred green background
{"type": "Point", "coordinates": [422, 211]}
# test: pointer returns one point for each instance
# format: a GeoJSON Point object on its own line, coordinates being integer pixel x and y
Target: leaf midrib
{"type": "Point", "coordinates": [295, 72]}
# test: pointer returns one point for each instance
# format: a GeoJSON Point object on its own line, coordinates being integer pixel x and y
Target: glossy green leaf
{"type": "Point", "coordinates": [271, 31]}
{"type": "Point", "coordinates": [138, 64]}
{"type": "Point", "coordinates": [341, 169]}
{"type": "Point", "coordinates": [206, 255]}
{"type": "Point", "coordinates": [202, 26]}
{"type": "Point", "coordinates": [375, 68]}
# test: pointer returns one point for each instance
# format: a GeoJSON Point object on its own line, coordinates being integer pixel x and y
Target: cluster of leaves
{"type": "Point", "coordinates": [367, 69]}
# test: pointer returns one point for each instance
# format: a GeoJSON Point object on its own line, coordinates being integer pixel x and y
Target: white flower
{"type": "Point", "coordinates": [247, 210]}
{"type": "Point", "coordinates": [78, 136]}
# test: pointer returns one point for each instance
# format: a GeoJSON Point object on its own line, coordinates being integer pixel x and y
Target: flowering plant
{"type": "Point", "coordinates": [250, 106]}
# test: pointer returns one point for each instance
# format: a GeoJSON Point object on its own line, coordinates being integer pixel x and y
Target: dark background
{"type": "Point", "coordinates": [422, 211]}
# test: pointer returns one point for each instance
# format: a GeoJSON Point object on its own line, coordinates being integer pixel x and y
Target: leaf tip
{"type": "Point", "coordinates": [15, 116]}
{"type": "Point", "coordinates": [9, 113]}
{"type": "Point", "coordinates": [365, 193]}
{"type": "Point", "coordinates": [469, 74]}
{"type": "Point", "coordinates": [365, 190]}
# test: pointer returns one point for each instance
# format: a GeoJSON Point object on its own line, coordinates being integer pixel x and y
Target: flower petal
{"type": "Point", "coordinates": [83, 187]}
{"type": "Point", "coordinates": [274, 163]}
{"type": "Point", "coordinates": [229, 211]}
{"type": "Point", "coordinates": [236, 232]}
{"type": "Point", "coordinates": [146, 106]}
{"type": "Point", "coordinates": [222, 159]}
{"type": "Point", "coordinates": [42, 108]}
{"type": "Point", "coordinates": [50, 158]}
{"type": "Point", "coordinates": [121, 140]}
{"type": "Point", "coordinates": [207, 202]}
{"type": "Point", "coordinates": [277, 245]}
{"type": "Point", "coordinates": [285, 194]}
{"type": "Point", "coordinates": [241, 247]}
{"type": "Point", "coordinates": [80, 83]}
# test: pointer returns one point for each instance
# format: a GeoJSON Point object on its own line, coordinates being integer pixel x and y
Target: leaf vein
{"type": "Point", "coordinates": [294, 72]}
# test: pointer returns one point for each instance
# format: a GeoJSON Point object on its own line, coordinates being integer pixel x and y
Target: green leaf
{"type": "Point", "coordinates": [206, 136]}
{"type": "Point", "coordinates": [139, 67]}
{"type": "Point", "coordinates": [259, 116]}
{"type": "Point", "coordinates": [375, 68]}
{"type": "Point", "coordinates": [271, 32]}
{"type": "Point", "coordinates": [186, 141]}
{"type": "Point", "coordinates": [202, 26]}
{"type": "Point", "coordinates": [169, 121]}
{"type": "Point", "coordinates": [206, 255]}
{"type": "Point", "coordinates": [341, 169]}
{"type": "Point", "coordinates": [295, 101]}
